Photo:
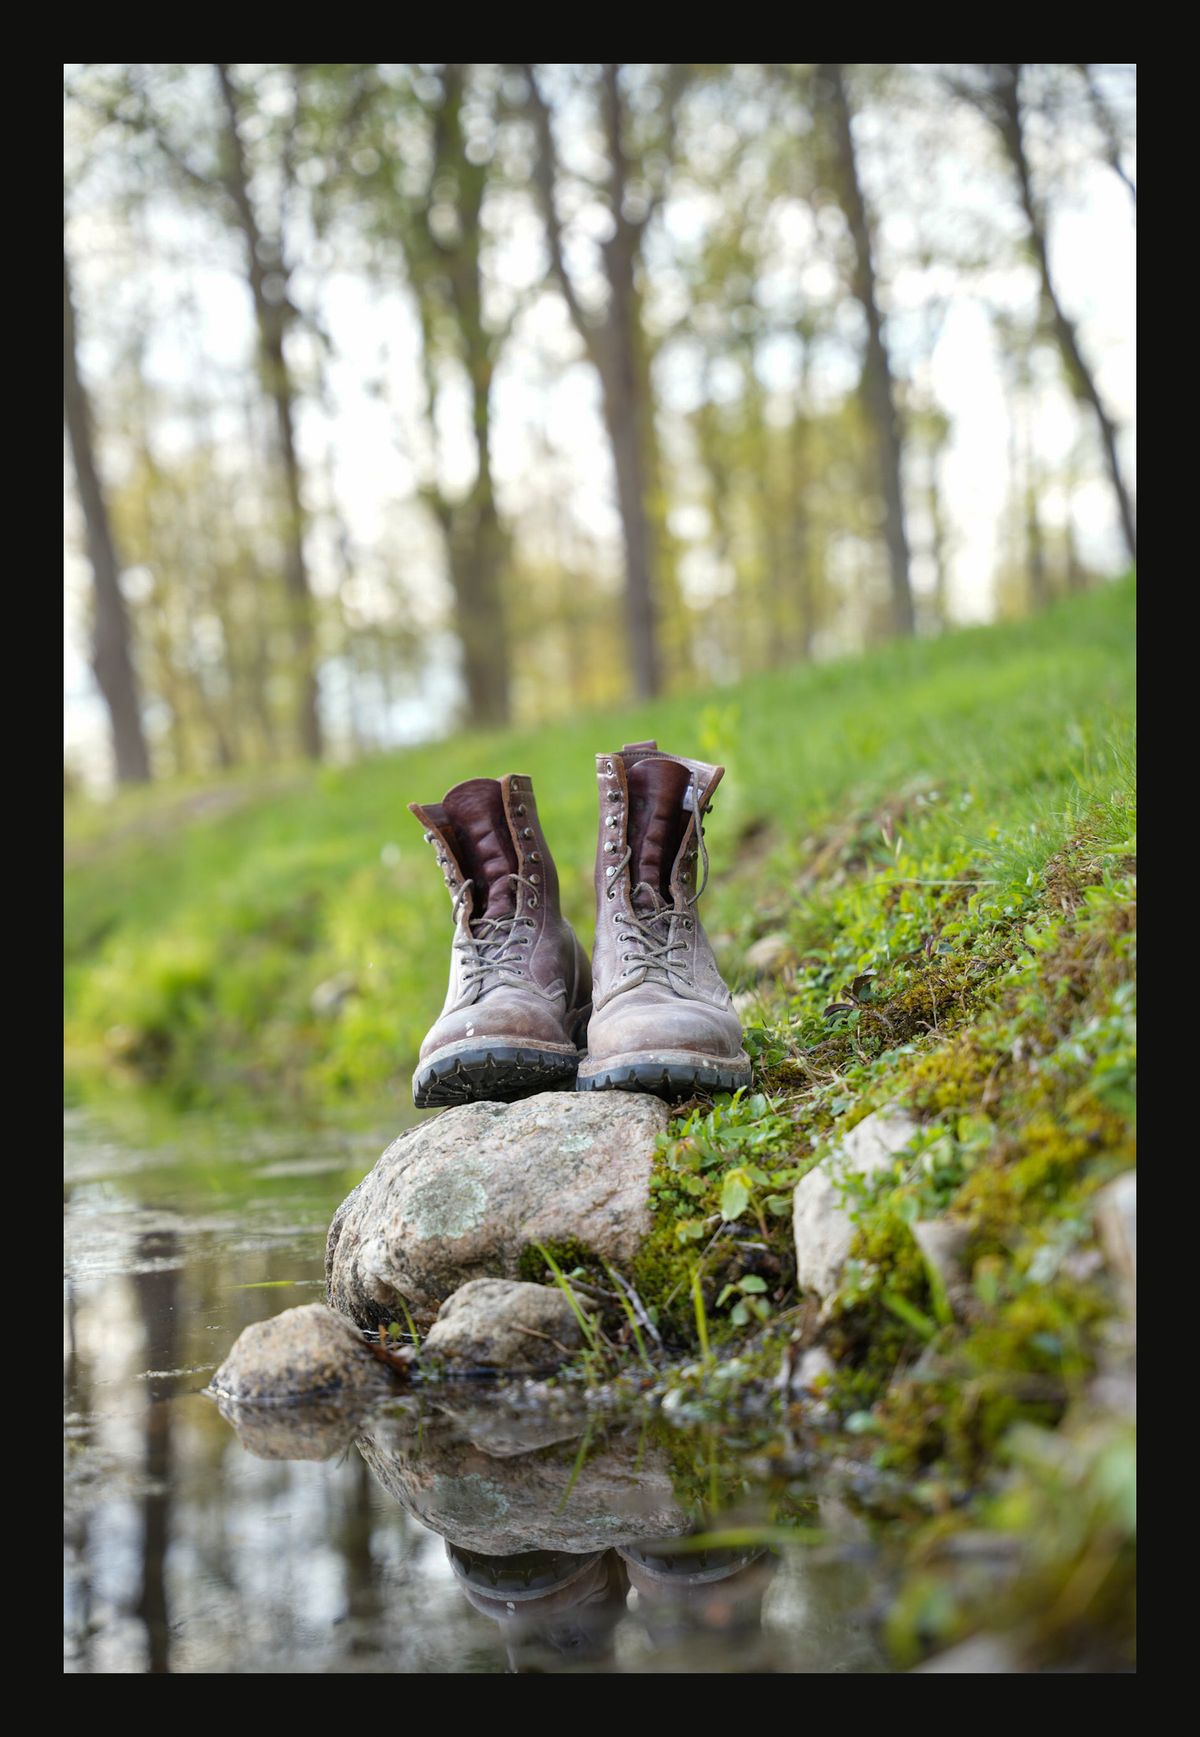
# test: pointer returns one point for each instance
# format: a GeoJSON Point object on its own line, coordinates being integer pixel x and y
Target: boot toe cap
{"type": "Point", "coordinates": [504, 1017]}
{"type": "Point", "coordinates": [624, 1027]}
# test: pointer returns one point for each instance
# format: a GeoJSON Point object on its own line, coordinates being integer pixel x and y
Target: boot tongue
{"type": "Point", "coordinates": [485, 847]}
{"type": "Point", "coordinates": [657, 823]}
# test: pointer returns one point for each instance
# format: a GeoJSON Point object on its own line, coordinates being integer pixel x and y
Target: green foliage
{"type": "Point", "coordinates": [1056, 1545]}
{"type": "Point", "coordinates": [199, 922]}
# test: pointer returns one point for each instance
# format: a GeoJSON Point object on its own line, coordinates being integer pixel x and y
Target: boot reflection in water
{"type": "Point", "coordinates": [682, 1594]}
{"type": "Point", "coordinates": [554, 1610]}
{"type": "Point", "coordinates": [557, 1610]}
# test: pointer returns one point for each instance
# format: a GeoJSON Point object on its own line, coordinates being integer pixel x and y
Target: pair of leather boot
{"type": "Point", "coordinates": [525, 1011]}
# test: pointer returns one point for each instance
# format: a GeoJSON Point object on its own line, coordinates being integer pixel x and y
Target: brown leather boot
{"type": "Point", "coordinates": [519, 980]}
{"type": "Point", "coordinates": [662, 1020]}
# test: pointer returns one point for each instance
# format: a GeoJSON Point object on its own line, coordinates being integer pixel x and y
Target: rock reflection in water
{"type": "Point", "coordinates": [546, 1527]}
{"type": "Point", "coordinates": [573, 1540]}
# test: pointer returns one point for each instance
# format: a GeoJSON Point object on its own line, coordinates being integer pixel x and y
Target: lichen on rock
{"type": "Point", "coordinates": [468, 1193]}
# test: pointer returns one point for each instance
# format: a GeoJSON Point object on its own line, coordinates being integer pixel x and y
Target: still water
{"type": "Point", "coordinates": [455, 1530]}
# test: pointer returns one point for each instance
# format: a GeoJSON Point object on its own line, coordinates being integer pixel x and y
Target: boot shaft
{"type": "Point", "coordinates": [492, 850]}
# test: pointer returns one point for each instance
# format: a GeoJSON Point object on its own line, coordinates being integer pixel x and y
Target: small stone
{"type": "Point", "coordinates": [821, 1223]}
{"type": "Point", "coordinates": [767, 956]}
{"type": "Point", "coordinates": [499, 1324]}
{"type": "Point", "coordinates": [1115, 1214]}
{"type": "Point", "coordinates": [813, 1371]}
{"type": "Point", "coordinates": [810, 1382]}
{"type": "Point", "coordinates": [943, 1242]}
{"type": "Point", "coordinates": [297, 1355]}
{"type": "Point", "coordinates": [468, 1193]}
{"type": "Point", "coordinates": [331, 996]}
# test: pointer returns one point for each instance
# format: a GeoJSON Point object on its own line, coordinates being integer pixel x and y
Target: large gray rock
{"type": "Point", "coordinates": [500, 1324]}
{"type": "Point", "coordinates": [463, 1195]}
{"type": "Point", "coordinates": [821, 1221]}
{"type": "Point", "coordinates": [298, 1355]}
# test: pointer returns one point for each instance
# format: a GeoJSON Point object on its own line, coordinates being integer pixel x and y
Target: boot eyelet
{"type": "Point", "coordinates": [534, 856]}
{"type": "Point", "coordinates": [428, 838]}
{"type": "Point", "coordinates": [608, 765]}
{"type": "Point", "coordinates": [519, 809]}
{"type": "Point", "coordinates": [614, 796]}
{"type": "Point", "coordinates": [610, 847]}
{"type": "Point", "coordinates": [612, 892]}
{"type": "Point", "coordinates": [535, 880]}
{"type": "Point", "coordinates": [611, 821]}
{"type": "Point", "coordinates": [527, 832]}
{"type": "Point", "coordinates": [611, 870]}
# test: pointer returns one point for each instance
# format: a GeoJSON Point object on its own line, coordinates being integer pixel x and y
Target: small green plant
{"type": "Point", "coordinates": [587, 1326]}
{"type": "Point", "coordinates": [394, 1326]}
{"type": "Point", "coordinates": [700, 1312]}
{"type": "Point", "coordinates": [731, 1160]}
{"type": "Point", "coordinates": [750, 1304]}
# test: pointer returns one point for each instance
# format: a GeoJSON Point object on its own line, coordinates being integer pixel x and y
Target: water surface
{"type": "Point", "coordinates": [456, 1530]}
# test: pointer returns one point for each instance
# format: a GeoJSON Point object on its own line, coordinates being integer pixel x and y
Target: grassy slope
{"type": "Point", "coordinates": [196, 933]}
{"type": "Point", "coordinates": [956, 819]}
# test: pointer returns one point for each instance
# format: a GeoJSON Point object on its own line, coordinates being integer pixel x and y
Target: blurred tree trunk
{"type": "Point", "coordinates": [440, 230]}
{"type": "Point", "coordinates": [803, 584]}
{"type": "Point", "coordinates": [878, 386]}
{"type": "Point", "coordinates": [112, 657]}
{"type": "Point", "coordinates": [1035, 541]}
{"type": "Point", "coordinates": [626, 406]}
{"type": "Point", "coordinates": [476, 536]}
{"type": "Point", "coordinates": [615, 346]}
{"type": "Point", "coordinates": [268, 290]}
{"type": "Point", "coordinates": [1108, 129]}
{"type": "Point", "coordinates": [937, 533]}
{"type": "Point", "coordinates": [1009, 118]}
{"type": "Point", "coordinates": [156, 1284]}
{"type": "Point", "coordinates": [1077, 578]}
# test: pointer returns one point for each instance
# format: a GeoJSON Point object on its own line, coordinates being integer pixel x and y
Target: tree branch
{"type": "Point", "coordinates": [545, 179]}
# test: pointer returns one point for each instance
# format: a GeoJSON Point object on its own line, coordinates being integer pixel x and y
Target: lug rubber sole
{"type": "Point", "coordinates": [665, 1074]}
{"type": "Point", "coordinates": [493, 1071]}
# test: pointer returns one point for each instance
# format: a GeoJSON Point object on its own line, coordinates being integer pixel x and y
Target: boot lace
{"type": "Point", "coordinates": [654, 944]}
{"type": "Point", "coordinates": [490, 945]}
